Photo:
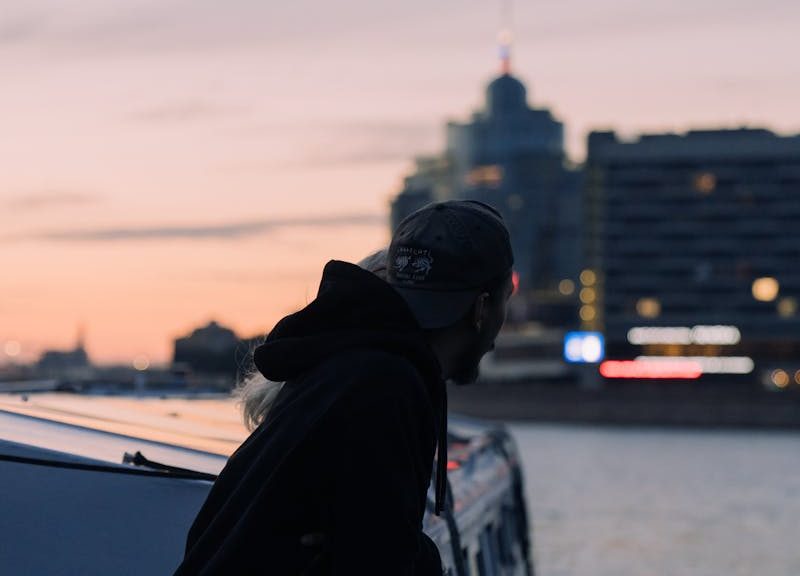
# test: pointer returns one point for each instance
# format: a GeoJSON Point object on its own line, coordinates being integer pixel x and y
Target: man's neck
{"type": "Point", "coordinates": [444, 345]}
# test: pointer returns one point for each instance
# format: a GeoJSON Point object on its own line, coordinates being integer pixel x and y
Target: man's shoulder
{"type": "Point", "coordinates": [373, 371]}
{"type": "Point", "coordinates": [369, 361]}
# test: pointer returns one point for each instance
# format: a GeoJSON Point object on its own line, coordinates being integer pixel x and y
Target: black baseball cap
{"type": "Point", "coordinates": [444, 255]}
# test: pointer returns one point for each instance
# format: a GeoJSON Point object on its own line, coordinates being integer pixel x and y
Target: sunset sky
{"type": "Point", "coordinates": [168, 162]}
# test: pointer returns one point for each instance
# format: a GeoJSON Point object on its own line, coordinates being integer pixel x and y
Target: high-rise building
{"type": "Point", "coordinates": [431, 181]}
{"type": "Point", "coordinates": [693, 247]}
{"type": "Point", "coordinates": [511, 156]}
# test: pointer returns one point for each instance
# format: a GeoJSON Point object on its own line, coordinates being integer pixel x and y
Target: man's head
{"type": "Point", "coordinates": [375, 263]}
{"type": "Point", "coordinates": [451, 262]}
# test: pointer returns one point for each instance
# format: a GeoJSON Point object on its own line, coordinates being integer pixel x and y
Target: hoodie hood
{"type": "Point", "coordinates": [353, 308]}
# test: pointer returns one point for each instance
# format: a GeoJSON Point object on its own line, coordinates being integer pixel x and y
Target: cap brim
{"type": "Point", "coordinates": [437, 309]}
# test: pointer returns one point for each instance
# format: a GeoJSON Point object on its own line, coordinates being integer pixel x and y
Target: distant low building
{"type": "Point", "coordinates": [65, 364]}
{"type": "Point", "coordinates": [211, 349]}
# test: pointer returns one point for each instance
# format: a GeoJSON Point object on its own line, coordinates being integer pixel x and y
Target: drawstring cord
{"type": "Point", "coordinates": [441, 458]}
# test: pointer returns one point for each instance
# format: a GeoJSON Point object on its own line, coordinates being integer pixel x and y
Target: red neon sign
{"type": "Point", "coordinates": [651, 369]}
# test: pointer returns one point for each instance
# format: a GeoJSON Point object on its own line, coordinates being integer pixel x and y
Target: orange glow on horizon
{"type": "Point", "coordinates": [134, 298]}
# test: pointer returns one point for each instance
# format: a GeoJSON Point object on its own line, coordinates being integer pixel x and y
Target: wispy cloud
{"type": "Point", "coordinates": [371, 142]}
{"type": "Point", "coordinates": [183, 111]}
{"type": "Point", "coordinates": [351, 142]}
{"type": "Point", "coordinates": [229, 231]}
{"type": "Point", "coordinates": [51, 199]}
{"type": "Point", "coordinates": [19, 30]}
{"type": "Point", "coordinates": [177, 27]}
{"type": "Point", "coordinates": [384, 152]}
{"type": "Point", "coordinates": [240, 277]}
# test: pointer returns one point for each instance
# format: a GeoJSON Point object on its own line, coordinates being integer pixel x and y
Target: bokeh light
{"type": "Point", "coordinates": [141, 363]}
{"type": "Point", "coordinates": [765, 289]}
{"type": "Point", "coordinates": [12, 348]}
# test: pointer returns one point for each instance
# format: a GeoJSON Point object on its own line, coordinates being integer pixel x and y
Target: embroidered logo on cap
{"type": "Point", "coordinates": [412, 264]}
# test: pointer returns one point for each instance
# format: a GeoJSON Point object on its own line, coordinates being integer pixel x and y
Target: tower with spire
{"type": "Point", "coordinates": [67, 364]}
{"type": "Point", "coordinates": [511, 155]}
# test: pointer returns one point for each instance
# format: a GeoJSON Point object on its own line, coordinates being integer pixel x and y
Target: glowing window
{"type": "Point", "coordinates": [704, 183]}
{"type": "Point", "coordinates": [566, 287]}
{"type": "Point", "coordinates": [780, 378]}
{"type": "Point", "coordinates": [787, 307]}
{"type": "Point", "coordinates": [765, 289]}
{"type": "Point", "coordinates": [491, 176]}
{"type": "Point", "coordinates": [648, 307]}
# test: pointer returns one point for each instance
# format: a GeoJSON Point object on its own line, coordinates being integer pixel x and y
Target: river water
{"type": "Point", "coordinates": [625, 502]}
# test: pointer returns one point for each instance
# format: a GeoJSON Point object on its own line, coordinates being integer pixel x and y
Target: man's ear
{"type": "Point", "coordinates": [479, 310]}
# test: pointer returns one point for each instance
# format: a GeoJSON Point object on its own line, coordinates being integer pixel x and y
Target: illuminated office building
{"type": "Point", "coordinates": [698, 234]}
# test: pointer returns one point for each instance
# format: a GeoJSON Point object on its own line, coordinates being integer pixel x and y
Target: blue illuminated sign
{"type": "Point", "coordinates": [584, 347]}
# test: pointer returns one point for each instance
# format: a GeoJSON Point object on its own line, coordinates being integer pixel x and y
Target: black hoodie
{"type": "Point", "coordinates": [334, 481]}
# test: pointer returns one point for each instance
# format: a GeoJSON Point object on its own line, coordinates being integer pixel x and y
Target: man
{"type": "Point", "coordinates": [334, 480]}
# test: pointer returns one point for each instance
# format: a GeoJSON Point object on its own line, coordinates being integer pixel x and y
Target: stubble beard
{"type": "Point", "coordinates": [468, 368]}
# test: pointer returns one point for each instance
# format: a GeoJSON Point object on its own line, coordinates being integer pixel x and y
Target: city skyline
{"type": "Point", "coordinates": [159, 163]}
